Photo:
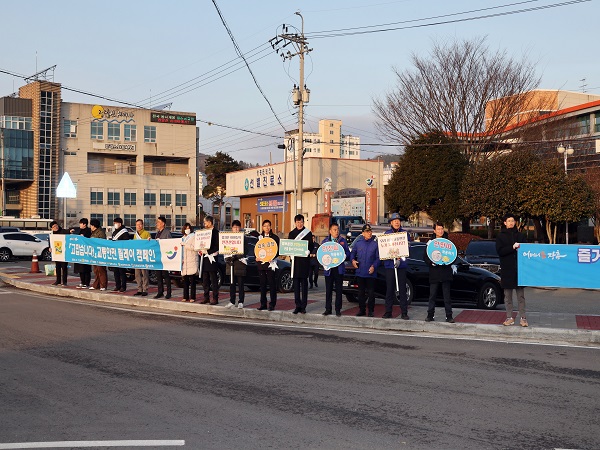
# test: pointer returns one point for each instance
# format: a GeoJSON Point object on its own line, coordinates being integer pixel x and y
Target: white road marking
{"type": "Point", "coordinates": [80, 444]}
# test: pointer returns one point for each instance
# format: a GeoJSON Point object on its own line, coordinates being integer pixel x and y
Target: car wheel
{"type": "Point", "coordinates": [410, 292]}
{"type": "Point", "coordinates": [46, 255]}
{"type": "Point", "coordinates": [489, 296]}
{"type": "Point", "coordinates": [5, 254]}
{"type": "Point", "coordinates": [286, 283]}
{"type": "Point", "coordinates": [152, 278]}
{"type": "Point", "coordinates": [352, 298]}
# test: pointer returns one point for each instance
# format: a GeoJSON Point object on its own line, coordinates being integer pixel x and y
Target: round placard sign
{"type": "Point", "coordinates": [441, 251]}
{"type": "Point", "coordinates": [265, 249]}
{"type": "Point", "coordinates": [330, 255]}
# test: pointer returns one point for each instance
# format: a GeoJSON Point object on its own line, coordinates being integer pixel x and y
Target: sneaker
{"type": "Point", "coordinates": [523, 322]}
{"type": "Point", "coordinates": [84, 286]}
{"type": "Point", "coordinates": [91, 288]}
{"type": "Point", "coordinates": [79, 286]}
{"type": "Point", "coordinates": [240, 306]}
{"type": "Point", "coordinates": [102, 289]}
{"type": "Point", "coordinates": [230, 305]}
{"type": "Point", "coordinates": [429, 319]}
{"type": "Point", "coordinates": [509, 321]}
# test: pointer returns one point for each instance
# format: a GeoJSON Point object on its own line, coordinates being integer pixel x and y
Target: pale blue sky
{"type": "Point", "coordinates": [135, 50]}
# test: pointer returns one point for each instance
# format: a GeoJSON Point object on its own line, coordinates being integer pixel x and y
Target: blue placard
{"type": "Point", "coordinates": [330, 255]}
{"type": "Point", "coordinates": [271, 204]}
{"type": "Point", "coordinates": [554, 265]}
{"type": "Point", "coordinates": [441, 252]}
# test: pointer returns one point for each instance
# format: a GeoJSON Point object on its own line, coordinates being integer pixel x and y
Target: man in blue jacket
{"type": "Point", "coordinates": [335, 276]}
{"type": "Point", "coordinates": [365, 259]}
{"type": "Point", "coordinates": [390, 276]}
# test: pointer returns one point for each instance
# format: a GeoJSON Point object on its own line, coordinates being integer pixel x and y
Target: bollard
{"type": "Point", "coordinates": [35, 265]}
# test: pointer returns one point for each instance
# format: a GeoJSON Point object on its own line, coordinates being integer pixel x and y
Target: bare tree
{"type": "Point", "coordinates": [462, 88]}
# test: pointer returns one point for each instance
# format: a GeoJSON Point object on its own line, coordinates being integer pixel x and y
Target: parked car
{"type": "Point", "coordinates": [20, 244]}
{"type": "Point", "coordinates": [482, 253]}
{"type": "Point", "coordinates": [471, 284]}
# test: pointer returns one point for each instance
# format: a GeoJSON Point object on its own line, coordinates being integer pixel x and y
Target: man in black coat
{"type": "Point", "coordinates": [301, 265]}
{"type": "Point", "coordinates": [507, 245]}
{"type": "Point", "coordinates": [84, 270]}
{"type": "Point", "coordinates": [439, 274]}
{"type": "Point", "coordinates": [209, 268]}
{"type": "Point", "coordinates": [120, 233]}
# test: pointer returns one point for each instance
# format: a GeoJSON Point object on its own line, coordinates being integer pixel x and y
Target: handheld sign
{"type": "Point", "coordinates": [202, 239]}
{"type": "Point", "coordinates": [231, 243]}
{"type": "Point", "coordinates": [265, 249]}
{"type": "Point", "coordinates": [330, 255]}
{"type": "Point", "coordinates": [294, 248]}
{"type": "Point", "coordinates": [393, 245]}
{"type": "Point", "coordinates": [441, 251]}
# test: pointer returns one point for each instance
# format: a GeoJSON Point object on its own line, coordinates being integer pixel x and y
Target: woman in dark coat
{"type": "Point", "coordinates": [507, 245]}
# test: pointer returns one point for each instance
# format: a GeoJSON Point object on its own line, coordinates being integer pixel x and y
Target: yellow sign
{"type": "Point", "coordinates": [97, 112]}
{"type": "Point", "coordinates": [265, 249]}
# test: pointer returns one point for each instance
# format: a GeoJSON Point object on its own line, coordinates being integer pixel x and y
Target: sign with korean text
{"type": "Point", "coordinates": [231, 243]}
{"type": "Point", "coordinates": [265, 249]}
{"type": "Point", "coordinates": [162, 254]}
{"type": "Point", "coordinates": [292, 247]}
{"type": "Point", "coordinates": [441, 252]}
{"type": "Point", "coordinates": [202, 239]}
{"type": "Point", "coordinates": [562, 266]}
{"type": "Point", "coordinates": [330, 255]}
{"type": "Point", "coordinates": [173, 118]}
{"type": "Point", "coordinates": [393, 245]}
{"type": "Point", "coordinates": [270, 204]}
{"type": "Point", "coordinates": [350, 206]}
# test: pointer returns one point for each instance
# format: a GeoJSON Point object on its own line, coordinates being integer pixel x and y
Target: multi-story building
{"type": "Point", "coordinates": [329, 142]}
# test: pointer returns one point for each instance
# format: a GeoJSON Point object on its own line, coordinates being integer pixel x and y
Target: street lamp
{"type": "Point", "coordinates": [566, 152]}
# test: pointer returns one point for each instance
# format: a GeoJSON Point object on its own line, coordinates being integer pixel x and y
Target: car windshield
{"type": "Point", "coordinates": [482, 248]}
{"type": "Point", "coordinates": [416, 252]}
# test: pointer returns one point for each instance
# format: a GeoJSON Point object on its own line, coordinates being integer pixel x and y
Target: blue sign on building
{"type": "Point", "coordinates": [270, 204]}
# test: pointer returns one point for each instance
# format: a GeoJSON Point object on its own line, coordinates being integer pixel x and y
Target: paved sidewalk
{"type": "Point", "coordinates": [543, 327]}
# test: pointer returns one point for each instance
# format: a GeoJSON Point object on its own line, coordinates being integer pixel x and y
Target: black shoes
{"type": "Point", "coordinates": [261, 308]}
{"type": "Point", "coordinates": [56, 283]}
{"type": "Point", "coordinates": [271, 308]}
{"type": "Point", "coordinates": [404, 316]}
{"type": "Point", "coordinates": [159, 295]}
{"type": "Point", "coordinates": [338, 314]}
{"type": "Point", "coordinates": [168, 296]}
{"type": "Point", "coordinates": [297, 310]}
{"type": "Point", "coordinates": [360, 314]}
{"type": "Point", "coordinates": [449, 320]}
{"type": "Point", "coordinates": [327, 313]}
{"type": "Point", "coordinates": [371, 314]}
{"type": "Point", "coordinates": [205, 301]}
{"type": "Point", "coordinates": [121, 290]}
{"type": "Point", "coordinates": [138, 293]}
{"type": "Point", "coordinates": [430, 319]}
{"type": "Point", "coordinates": [387, 315]}
{"type": "Point", "coordinates": [144, 294]}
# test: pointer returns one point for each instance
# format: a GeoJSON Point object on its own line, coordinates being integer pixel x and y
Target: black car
{"type": "Point", "coordinates": [471, 285]}
{"type": "Point", "coordinates": [482, 253]}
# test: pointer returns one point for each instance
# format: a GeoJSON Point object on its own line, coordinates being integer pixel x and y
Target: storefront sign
{"type": "Point", "coordinates": [393, 245]}
{"type": "Point", "coordinates": [114, 147]}
{"type": "Point", "coordinates": [351, 206]}
{"type": "Point", "coordinates": [231, 243]}
{"type": "Point", "coordinates": [292, 247]}
{"type": "Point", "coordinates": [330, 255]}
{"type": "Point", "coordinates": [172, 118]}
{"type": "Point", "coordinates": [441, 252]}
{"type": "Point", "coordinates": [104, 112]}
{"type": "Point", "coordinates": [265, 178]}
{"type": "Point", "coordinates": [270, 204]}
{"type": "Point", "coordinates": [265, 249]}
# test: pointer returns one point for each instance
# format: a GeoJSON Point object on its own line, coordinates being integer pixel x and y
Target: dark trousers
{"type": "Point", "coordinates": [189, 287]}
{"type": "Point", "coordinates": [313, 275]}
{"type": "Point", "coordinates": [390, 293]}
{"type": "Point", "coordinates": [267, 277]}
{"type": "Point", "coordinates": [301, 292]}
{"type": "Point", "coordinates": [209, 280]}
{"type": "Point", "coordinates": [85, 277]}
{"type": "Point", "coordinates": [163, 277]}
{"type": "Point", "coordinates": [334, 279]}
{"type": "Point", "coordinates": [62, 272]}
{"type": "Point", "coordinates": [433, 289]}
{"type": "Point", "coordinates": [368, 285]}
{"type": "Point", "coordinates": [120, 279]}
{"type": "Point", "coordinates": [239, 281]}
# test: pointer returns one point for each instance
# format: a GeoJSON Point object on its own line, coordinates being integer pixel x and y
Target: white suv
{"type": "Point", "coordinates": [22, 244]}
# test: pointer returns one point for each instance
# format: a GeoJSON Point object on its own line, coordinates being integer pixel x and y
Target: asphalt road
{"type": "Point", "coordinates": [73, 371]}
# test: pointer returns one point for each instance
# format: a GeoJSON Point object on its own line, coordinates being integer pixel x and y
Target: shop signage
{"type": "Point", "coordinates": [351, 206]}
{"type": "Point", "coordinates": [265, 178]}
{"type": "Point", "coordinates": [271, 204]}
{"type": "Point", "coordinates": [172, 118]}
{"type": "Point", "coordinates": [114, 147]}
{"type": "Point", "coordinates": [103, 112]}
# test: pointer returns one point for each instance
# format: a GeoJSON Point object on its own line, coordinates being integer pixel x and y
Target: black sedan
{"type": "Point", "coordinates": [471, 285]}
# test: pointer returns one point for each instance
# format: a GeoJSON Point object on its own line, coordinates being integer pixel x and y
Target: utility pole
{"type": "Point", "coordinates": [300, 96]}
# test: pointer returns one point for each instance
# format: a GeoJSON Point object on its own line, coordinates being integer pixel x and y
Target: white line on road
{"type": "Point", "coordinates": [80, 444]}
{"type": "Point", "coordinates": [310, 327]}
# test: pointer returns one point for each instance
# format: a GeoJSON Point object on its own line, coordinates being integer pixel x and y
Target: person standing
{"type": "Point", "coordinates": [163, 276]}
{"type": "Point", "coordinates": [301, 265]}
{"type": "Point", "coordinates": [239, 271]}
{"type": "Point", "coordinates": [141, 275]}
{"type": "Point", "coordinates": [507, 244]}
{"type": "Point", "coordinates": [365, 259]}
{"type": "Point", "coordinates": [391, 270]}
{"type": "Point", "coordinates": [334, 277]}
{"type": "Point", "coordinates": [189, 265]}
{"type": "Point", "coordinates": [61, 266]}
{"type": "Point", "coordinates": [266, 275]}
{"type": "Point", "coordinates": [120, 233]}
{"type": "Point", "coordinates": [313, 275]}
{"type": "Point", "coordinates": [100, 275]}
{"type": "Point", "coordinates": [84, 270]}
{"type": "Point", "coordinates": [439, 274]}
{"type": "Point", "coordinates": [209, 268]}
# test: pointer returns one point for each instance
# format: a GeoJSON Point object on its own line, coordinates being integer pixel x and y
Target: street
{"type": "Point", "coordinates": [73, 371]}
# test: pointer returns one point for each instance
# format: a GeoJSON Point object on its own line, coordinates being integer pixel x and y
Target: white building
{"type": "Point", "coordinates": [329, 142]}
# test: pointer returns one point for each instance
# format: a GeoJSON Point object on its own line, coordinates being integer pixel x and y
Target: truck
{"type": "Point", "coordinates": [320, 223]}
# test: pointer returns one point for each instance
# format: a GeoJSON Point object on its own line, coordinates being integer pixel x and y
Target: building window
{"type": "Point", "coordinates": [129, 197]}
{"type": "Point", "coordinates": [97, 130]}
{"type": "Point", "coordinates": [330, 150]}
{"type": "Point", "coordinates": [129, 220]}
{"type": "Point", "coordinates": [130, 133]}
{"type": "Point", "coordinates": [165, 198]}
{"type": "Point", "coordinates": [13, 197]}
{"type": "Point", "coordinates": [180, 220]}
{"type": "Point", "coordinates": [96, 196]}
{"type": "Point", "coordinates": [330, 131]}
{"type": "Point", "coordinates": [111, 218]}
{"type": "Point", "coordinates": [149, 198]}
{"type": "Point", "coordinates": [149, 221]}
{"type": "Point", "coordinates": [114, 196]}
{"type": "Point", "coordinates": [236, 212]}
{"type": "Point", "coordinates": [180, 198]}
{"type": "Point", "coordinates": [114, 131]}
{"type": "Point", "coordinates": [330, 124]}
{"type": "Point", "coordinates": [584, 124]}
{"type": "Point", "coordinates": [149, 134]}
{"type": "Point", "coordinates": [69, 128]}
{"type": "Point", "coordinates": [99, 217]}
{"type": "Point", "coordinates": [168, 222]}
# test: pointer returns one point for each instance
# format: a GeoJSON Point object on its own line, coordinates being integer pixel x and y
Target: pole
{"type": "Point", "coordinates": [2, 162]}
{"type": "Point", "coordinates": [566, 222]}
{"type": "Point", "coordinates": [300, 167]}
{"type": "Point", "coordinates": [285, 150]}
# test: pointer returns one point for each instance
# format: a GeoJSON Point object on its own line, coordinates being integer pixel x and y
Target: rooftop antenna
{"type": "Point", "coordinates": [583, 85]}
{"type": "Point", "coordinates": [45, 75]}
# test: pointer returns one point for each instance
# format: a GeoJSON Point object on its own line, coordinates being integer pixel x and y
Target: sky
{"type": "Point", "coordinates": [149, 53]}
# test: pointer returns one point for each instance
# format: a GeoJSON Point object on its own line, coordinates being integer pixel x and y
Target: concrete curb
{"type": "Point", "coordinates": [464, 330]}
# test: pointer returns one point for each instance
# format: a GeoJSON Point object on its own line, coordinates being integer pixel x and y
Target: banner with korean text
{"type": "Point", "coordinates": [162, 254]}
{"type": "Point", "coordinates": [393, 245]}
{"type": "Point", "coordinates": [561, 266]}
